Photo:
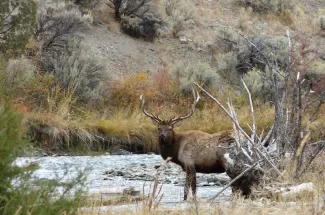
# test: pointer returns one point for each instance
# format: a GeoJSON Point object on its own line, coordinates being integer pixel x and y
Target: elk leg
{"type": "Point", "coordinates": [187, 183]}
{"type": "Point", "coordinates": [190, 181]}
{"type": "Point", "coordinates": [193, 181]}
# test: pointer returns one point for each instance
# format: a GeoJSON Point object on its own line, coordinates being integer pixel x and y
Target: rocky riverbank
{"type": "Point", "coordinates": [108, 173]}
{"type": "Point", "coordinates": [169, 174]}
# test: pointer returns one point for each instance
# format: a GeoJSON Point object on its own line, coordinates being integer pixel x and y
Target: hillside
{"type": "Point", "coordinates": [84, 65]}
{"type": "Point", "coordinates": [197, 41]}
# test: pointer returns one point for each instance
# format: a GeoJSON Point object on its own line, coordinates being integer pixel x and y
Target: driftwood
{"type": "Point", "coordinates": [286, 191]}
{"type": "Point", "coordinates": [294, 191]}
{"type": "Point", "coordinates": [247, 160]}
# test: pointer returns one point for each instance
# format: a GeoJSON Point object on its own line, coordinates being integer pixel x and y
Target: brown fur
{"type": "Point", "coordinates": [194, 151]}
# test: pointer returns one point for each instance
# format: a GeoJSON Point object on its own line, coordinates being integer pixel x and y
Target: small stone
{"type": "Point", "coordinates": [183, 40]}
{"type": "Point", "coordinates": [203, 184]}
{"type": "Point", "coordinates": [127, 175]}
{"type": "Point", "coordinates": [119, 173]}
{"type": "Point", "coordinates": [217, 183]}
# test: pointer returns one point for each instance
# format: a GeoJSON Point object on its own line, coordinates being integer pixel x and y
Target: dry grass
{"type": "Point", "coordinates": [133, 127]}
{"type": "Point", "coordinates": [129, 127]}
{"type": "Point", "coordinates": [304, 204]}
{"type": "Point", "coordinates": [236, 206]}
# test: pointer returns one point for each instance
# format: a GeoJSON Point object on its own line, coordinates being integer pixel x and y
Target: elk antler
{"type": "Point", "coordinates": [153, 117]}
{"type": "Point", "coordinates": [196, 100]}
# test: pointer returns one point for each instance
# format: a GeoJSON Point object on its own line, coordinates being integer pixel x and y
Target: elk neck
{"type": "Point", "coordinates": [170, 146]}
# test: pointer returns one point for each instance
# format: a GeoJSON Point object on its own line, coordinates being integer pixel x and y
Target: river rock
{"type": "Point", "coordinates": [118, 173]}
{"type": "Point", "coordinates": [131, 191]}
{"type": "Point", "coordinates": [120, 152]}
{"type": "Point", "coordinates": [203, 184]}
{"type": "Point", "coordinates": [221, 178]}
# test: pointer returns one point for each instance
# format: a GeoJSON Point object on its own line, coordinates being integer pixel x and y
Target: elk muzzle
{"type": "Point", "coordinates": [162, 138]}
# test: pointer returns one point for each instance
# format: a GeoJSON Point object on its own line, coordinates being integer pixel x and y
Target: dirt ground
{"type": "Point", "coordinates": [123, 54]}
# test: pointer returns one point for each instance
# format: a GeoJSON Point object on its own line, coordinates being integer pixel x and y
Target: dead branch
{"type": "Point", "coordinates": [230, 113]}
{"type": "Point", "coordinates": [252, 109]}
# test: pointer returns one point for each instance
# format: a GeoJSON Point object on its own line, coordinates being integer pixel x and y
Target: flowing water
{"type": "Point", "coordinates": [111, 172]}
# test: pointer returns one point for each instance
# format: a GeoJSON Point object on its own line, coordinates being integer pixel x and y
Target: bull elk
{"type": "Point", "coordinates": [195, 151]}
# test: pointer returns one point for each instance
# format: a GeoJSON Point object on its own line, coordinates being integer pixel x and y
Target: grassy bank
{"type": "Point", "coordinates": [132, 130]}
{"type": "Point", "coordinates": [127, 129]}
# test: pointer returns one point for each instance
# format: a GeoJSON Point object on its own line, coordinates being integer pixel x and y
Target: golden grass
{"type": "Point", "coordinates": [131, 126]}
{"type": "Point", "coordinates": [235, 206]}
{"type": "Point", "coordinates": [214, 120]}
{"type": "Point", "coordinates": [128, 127]}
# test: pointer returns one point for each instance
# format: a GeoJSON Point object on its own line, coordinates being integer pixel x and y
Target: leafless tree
{"type": "Point", "coordinates": [292, 95]}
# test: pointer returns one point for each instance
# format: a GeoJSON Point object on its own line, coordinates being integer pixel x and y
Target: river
{"type": "Point", "coordinates": [123, 171]}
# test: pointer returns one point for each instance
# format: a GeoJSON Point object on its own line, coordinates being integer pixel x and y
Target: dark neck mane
{"type": "Point", "coordinates": [170, 147]}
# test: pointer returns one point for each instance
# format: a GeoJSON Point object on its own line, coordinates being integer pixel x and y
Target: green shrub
{"type": "Point", "coordinates": [273, 48]}
{"type": "Point", "coordinates": [19, 71]}
{"type": "Point", "coordinates": [62, 54]}
{"type": "Point", "coordinates": [180, 9]}
{"type": "Point", "coordinates": [144, 25]}
{"type": "Point", "coordinates": [89, 4]}
{"type": "Point", "coordinates": [259, 85]}
{"type": "Point", "coordinates": [270, 5]}
{"type": "Point", "coordinates": [187, 73]}
{"type": "Point", "coordinates": [139, 18]}
{"type": "Point", "coordinates": [314, 77]}
{"type": "Point", "coordinates": [76, 72]}
{"type": "Point", "coordinates": [127, 7]}
{"type": "Point", "coordinates": [57, 22]}
{"type": "Point", "coordinates": [226, 40]}
{"type": "Point", "coordinates": [16, 27]}
{"type": "Point", "coordinates": [226, 67]}
{"type": "Point", "coordinates": [180, 12]}
{"type": "Point", "coordinates": [247, 55]}
{"type": "Point", "coordinates": [20, 193]}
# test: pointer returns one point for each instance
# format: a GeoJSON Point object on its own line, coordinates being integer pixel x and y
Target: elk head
{"type": "Point", "coordinates": [165, 127]}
